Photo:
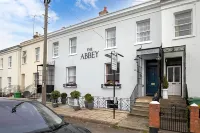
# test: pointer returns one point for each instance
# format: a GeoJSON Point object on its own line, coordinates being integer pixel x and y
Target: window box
{"type": "Point", "coordinates": [117, 86]}
{"type": "Point", "coordinates": [70, 85]}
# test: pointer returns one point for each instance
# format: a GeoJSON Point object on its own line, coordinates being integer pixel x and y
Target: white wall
{"type": "Point", "coordinates": [12, 72]}
{"type": "Point", "coordinates": [90, 72]}
{"type": "Point", "coordinates": [31, 64]}
{"type": "Point", "coordinates": [191, 42]}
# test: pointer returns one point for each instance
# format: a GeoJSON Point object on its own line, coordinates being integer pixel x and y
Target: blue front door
{"type": "Point", "coordinates": [151, 80]}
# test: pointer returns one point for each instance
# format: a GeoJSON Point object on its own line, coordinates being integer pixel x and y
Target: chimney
{"type": "Point", "coordinates": [105, 11]}
{"type": "Point", "coordinates": [36, 35]}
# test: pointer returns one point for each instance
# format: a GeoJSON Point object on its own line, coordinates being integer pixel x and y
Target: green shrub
{"type": "Point", "coordinates": [55, 94]}
{"type": "Point", "coordinates": [75, 94]}
{"type": "Point", "coordinates": [64, 95]}
{"type": "Point", "coordinates": [165, 83]}
{"type": "Point", "coordinates": [90, 99]}
{"type": "Point", "coordinates": [87, 95]}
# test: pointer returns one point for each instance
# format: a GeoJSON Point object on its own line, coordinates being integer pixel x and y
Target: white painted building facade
{"type": "Point", "coordinates": [142, 34]}
{"type": "Point", "coordinates": [10, 69]}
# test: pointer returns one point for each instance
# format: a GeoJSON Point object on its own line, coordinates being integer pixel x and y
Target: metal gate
{"type": "Point", "coordinates": [174, 118]}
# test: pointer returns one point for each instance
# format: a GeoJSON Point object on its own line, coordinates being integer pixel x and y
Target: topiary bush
{"type": "Point", "coordinates": [87, 95]}
{"type": "Point", "coordinates": [90, 99]}
{"type": "Point", "coordinates": [63, 95]}
{"type": "Point", "coordinates": [165, 83]}
{"type": "Point", "coordinates": [55, 95]}
{"type": "Point", "coordinates": [75, 94]}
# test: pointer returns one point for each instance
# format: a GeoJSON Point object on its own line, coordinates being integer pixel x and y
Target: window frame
{"type": "Point", "coordinates": [70, 46]}
{"type": "Point", "coordinates": [37, 54]}
{"type": "Point", "coordinates": [9, 79]}
{"type": "Point", "coordinates": [107, 30]}
{"type": "Point", "coordinates": [54, 49]}
{"type": "Point", "coordinates": [24, 57]}
{"type": "Point", "coordinates": [1, 83]}
{"type": "Point", "coordinates": [105, 73]}
{"type": "Point", "coordinates": [139, 22]}
{"type": "Point", "coordinates": [10, 62]}
{"type": "Point", "coordinates": [67, 80]}
{"type": "Point", "coordinates": [1, 63]}
{"type": "Point", "coordinates": [191, 23]}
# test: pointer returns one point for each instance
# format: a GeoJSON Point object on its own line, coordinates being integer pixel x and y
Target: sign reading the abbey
{"type": "Point", "coordinates": [90, 54]}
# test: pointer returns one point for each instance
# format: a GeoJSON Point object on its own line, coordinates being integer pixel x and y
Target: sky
{"type": "Point", "coordinates": [17, 17]}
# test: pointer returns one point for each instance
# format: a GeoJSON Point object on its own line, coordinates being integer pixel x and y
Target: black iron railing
{"type": "Point", "coordinates": [133, 97]}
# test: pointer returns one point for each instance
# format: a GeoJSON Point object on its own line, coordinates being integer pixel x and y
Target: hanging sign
{"type": "Point", "coordinates": [114, 61]}
{"type": "Point", "coordinates": [90, 54]}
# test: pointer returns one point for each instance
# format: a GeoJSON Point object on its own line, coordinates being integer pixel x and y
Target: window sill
{"type": "Point", "coordinates": [37, 61]}
{"type": "Point", "coordinates": [55, 57]}
{"type": "Point", "coordinates": [69, 86]}
{"type": "Point", "coordinates": [9, 67]}
{"type": "Point", "coordinates": [110, 48]}
{"type": "Point", "coordinates": [1, 68]}
{"type": "Point", "coordinates": [183, 37]}
{"type": "Point", "coordinates": [104, 86]}
{"type": "Point", "coordinates": [140, 43]}
{"type": "Point", "coordinates": [73, 54]}
{"type": "Point", "coordinates": [24, 63]}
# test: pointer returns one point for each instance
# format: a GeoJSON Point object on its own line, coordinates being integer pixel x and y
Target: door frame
{"type": "Point", "coordinates": [173, 74]}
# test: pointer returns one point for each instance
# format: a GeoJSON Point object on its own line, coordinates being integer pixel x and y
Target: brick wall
{"type": "Point", "coordinates": [154, 114]}
{"type": "Point", "coordinates": [194, 119]}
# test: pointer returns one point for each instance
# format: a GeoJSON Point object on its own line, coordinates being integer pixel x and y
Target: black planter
{"type": "Point", "coordinates": [54, 105]}
{"type": "Point", "coordinates": [86, 104]}
{"type": "Point", "coordinates": [63, 100]}
{"type": "Point", "coordinates": [91, 105]}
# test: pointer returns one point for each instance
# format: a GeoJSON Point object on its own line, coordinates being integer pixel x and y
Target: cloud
{"type": "Point", "coordinates": [16, 19]}
{"type": "Point", "coordinates": [84, 4]}
{"type": "Point", "coordinates": [135, 2]}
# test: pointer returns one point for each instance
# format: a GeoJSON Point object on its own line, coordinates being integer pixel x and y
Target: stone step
{"type": "Point", "coordinates": [142, 113]}
{"type": "Point", "coordinates": [141, 104]}
{"type": "Point", "coordinates": [143, 108]}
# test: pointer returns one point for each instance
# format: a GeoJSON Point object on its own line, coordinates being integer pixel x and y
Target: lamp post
{"type": "Point", "coordinates": [113, 55]}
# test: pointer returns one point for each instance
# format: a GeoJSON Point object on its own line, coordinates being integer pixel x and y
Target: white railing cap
{"type": "Point", "coordinates": [194, 105]}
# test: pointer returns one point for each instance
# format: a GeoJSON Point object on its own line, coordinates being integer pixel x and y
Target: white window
{"type": "Point", "coordinates": [24, 57]}
{"type": "Point", "coordinates": [110, 37]}
{"type": "Point", "coordinates": [55, 49]}
{"type": "Point", "coordinates": [72, 45]}
{"type": "Point", "coordinates": [143, 31]}
{"type": "Point", "coordinates": [71, 74]}
{"type": "Point", "coordinates": [9, 61]}
{"type": "Point", "coordinates": [37, 54]}
{"type": "Point", "coordinates": [109, 73]}
{"type": "Point", "coordinates": [9, 81]}
{"type": "Point", "coordinates": [1, 63]}
{"type": "Point", "coordinates": [183, 23]}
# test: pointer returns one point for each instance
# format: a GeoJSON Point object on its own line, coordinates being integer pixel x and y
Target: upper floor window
{"type": "Point", "coordinates": [143, 31]}
{"type": "Point", "coordinates": [1, 63]}
{"type": "Point", "coordinates": [110, 37]}
{"type": "Point", "coordinates": [183, 23]}
{"type": "Point", "coordinates": [72, 45]}
{"type": "Point", "coordinates": [55, 49]}
{"type": "Point", "coordinates": [71, 74]}
{"type": "Point", "coordinates": [37, 54]}
{"type": "Point", "coordinates": [24, 56]}
{"type": "Point", "coordinates": [9, 81]}
{"type": "Point", "coordinates": [9, 61]}
{"type": "Point", "coordinates": [109, 73]}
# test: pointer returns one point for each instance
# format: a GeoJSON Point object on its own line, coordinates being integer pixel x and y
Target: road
{"type": "Point", "coordinates": [100, 128]}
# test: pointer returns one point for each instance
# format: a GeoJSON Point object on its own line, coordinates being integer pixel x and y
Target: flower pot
{"type": "Point", "coordinates": [63, 100]}
{"type": "Point", "coordinates": [86, 104]}
{"type": "Point", "coordinates": [91, 105]}
{"type": "Point", "coordinates": [54, 105]}
{"type": "Point", "coordinates": [165, 93]}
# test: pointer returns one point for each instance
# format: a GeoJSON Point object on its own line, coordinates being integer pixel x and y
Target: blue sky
{"type": "Point", "coordinates": [16, 16]}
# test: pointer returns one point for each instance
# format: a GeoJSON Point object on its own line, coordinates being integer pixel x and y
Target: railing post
{"type": "Point", "coordinates": [154, 117]}
{"type": "Point", "coordinates": [194, 119]}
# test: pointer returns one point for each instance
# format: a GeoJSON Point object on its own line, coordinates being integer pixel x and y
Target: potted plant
{"type": "Point", "coordinates": [90, 102]}
{"type": "Point", "coordinates": [54, 96]}
{"type": "Point", "coordinates": [63, 98]}
{"type": "Point", "coordinates": [165, 86]}
{"type": "Point", "coordinates": [75, 96]}
{"type": "Point", "coordinates": [86, 96]}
